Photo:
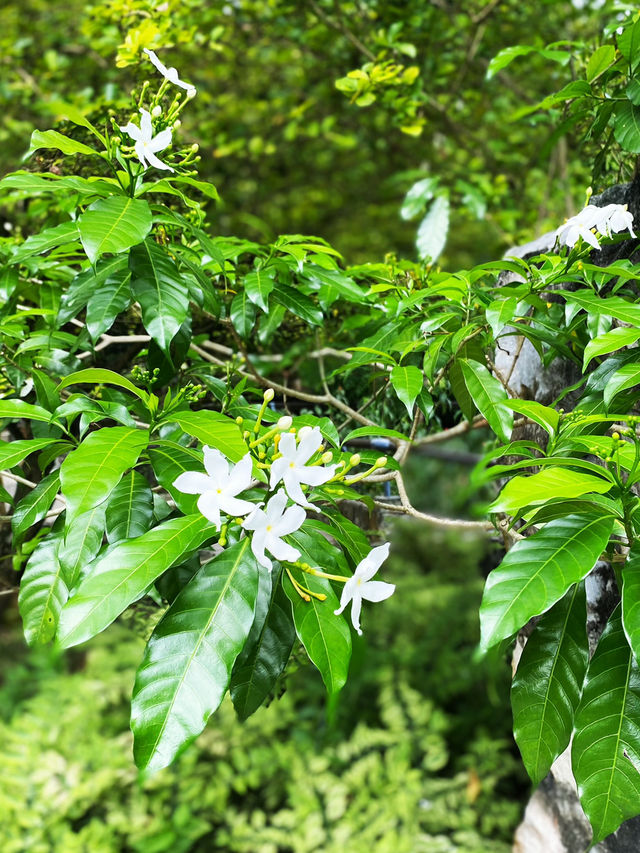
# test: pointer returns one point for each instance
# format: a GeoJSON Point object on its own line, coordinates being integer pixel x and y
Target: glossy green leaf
{"type": "Point", "coordinates": [545, 416]}
{"type": "Point", "coordinates": [488, 395]}
{"type": "Point", "coordinates": [43, 592]}
{"type": "Point", "coordinates": [267, 649]}
{"type": "Point", "coordinates": [611, 306]}
{"type": "Point", "coordinates": [627, 376]}
{"type": "Point", "coordinates": [101, 376]}
{"type": "Point", "coordinates": [500, 313]}
{"type": "Point", "coordinates": [508, 54]}
{"type": "Point", "coordinates": [243, 314]}
{"type": "Point", "coordinates": [629, 43]}
{"type": "Point", "coordinates": [111, 299]}
{"type": "Point", "coordinates": [187, 664]}
{"type": "Point", "coordinates": [89, 474]}
{"type": "Point", "coordinates": [298, 303]}
{"type": "Point", "coordinates": [214, 429]}
{"type": "Point", "coordinates": [129, 509]}
{"type": "Point", "coordinates": [433, 230]}
{"type": "Point", "coordinates": [157, 285]}
{"type": "Point", "coordinates": [375, 431]}
{"type": "Point", "coordinates": [605, 753]}
{"type": "Point", "coordinates": [631, 598]}
{"type": "Point", "coordinates": [168, 461]}
{"type": "Point", "coordinates": [81, 543]}
{"type": "Point", "coordinates": [46, 240]}
{"type": "Point", "coordinates": [599, 61]}
{"type": "Point", "coordinates": [548, 682]}
{"type": "Point", "coordinates": [258, 284]}
{"type": "Point", "coordinates": [122, 575]}
{"type": "Point", "coordinates": [12, 452]}
{"type": "Point", "coordinates": [334, 282]}
{"type": "Point", "coordinates": [538, 571]}
{"type": "Point", "coordinates": [407, 383]}
{"type": "Point", "coordinates": [35, 504]}
{"type": "Point", "coordinates": [113, 225]}
{"type": "Point", "coordinates": [610, 342]}
{"type": "Point", "coordinates": [547, 485]}
{"type": "Point", "coordinates": [325, 636]}
{"type": "Point", "coordinates": [53, 139]}
{"type": "Point", "coordinates": [86, 284]}
{"type": "Point", "coordinates": [15, 409]}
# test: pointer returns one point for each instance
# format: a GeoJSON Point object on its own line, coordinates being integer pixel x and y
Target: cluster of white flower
{"type": "Point", "coordinates": [146, 144]}
{"type": "Point", "coordinates": [606, 221]}
{"type": "Point", "coordinates": [219, 489]}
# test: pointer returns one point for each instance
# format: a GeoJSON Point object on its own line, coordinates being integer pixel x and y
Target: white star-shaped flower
{"type": "Point", "coordinates": [170, 74]}
{"type": "Point", "coordinates": [146, 144]}
{"type": "Point", "coordinates": [270, 525]}
{"type": "Point", "coordinates": [360, 587]}
{"type": "Point", "coordinates": [291, 467]}
{"type": "Point", "coordinates": [580, 225]}
{"type": "Point", "coordinates": [615, 218]}
{"type": "Point", "coordinates": [219, 486]}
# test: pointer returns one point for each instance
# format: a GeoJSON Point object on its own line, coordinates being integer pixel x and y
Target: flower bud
{"type": "Point", "coordinates": [381, 461]}
{"type": "Point", "coordinates": [195, 147]}
{"type": "Point", "coordinates": [355, 459]}
{"type": "Point", "coordinates": [116, 140]}
{"type": "Point", "coordinates": [304, 432]}
{"type": "Point", "coordinates": [327, 457]}
{"type": "Point", "coordinates": [239, 420]}
{"type": "Point", "coordinates": [268, 395]}
{"type": "Point", "coordinates": [177, 123]}
{"type": "Point", "coordinates": [285, 422]}
{"type": "Point", "coordinates": [615, 436]}
{"type": "Point", "coordinates": [156, 112]}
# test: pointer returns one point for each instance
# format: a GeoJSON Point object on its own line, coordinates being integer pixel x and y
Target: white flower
{"type": "Point", "coordinates": [269, 525]}
{"type": "Point", "coordinates": [606, 220]}
{"type": "Point", "coordinates": [219, 486]}
{"type": "Point", "coordinates": [146, 144]}
{"type": "Point", "coordinates": [291, 467]}
{"type": "Point", "coordinates": [170, 74]}
{"type": "Point", "coordinates": [360, 587]}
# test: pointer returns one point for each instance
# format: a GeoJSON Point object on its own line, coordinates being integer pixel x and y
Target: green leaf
{"type": "Point", "coordinates": [12, 452]}
{"type": "Point", "coordinates": [626, 126]}
{"type": "Point", "coordinates": [548, 682]}
{"type": "Point", "coordinates": [187, 664]}
{"type": "Point", "coordinates": [407, 383]}
{"type": "Point", "coordinates": [609, 342]}
{"type": "Point", "coordinates": [433, 230]}
{"type": "Point", "coordinates": [82, 541]}
{"type": "Point", "coordinates": [168, 461]}
{"type": "Point", "coordinates": [243, 314]}
{"type": "Point", "coordinates": [122, 575]}
{"type": "Point", "coordinates": [15, 409]}
{"type": "Point", "coordinates": [110, 300]}
{"type": "Point", "coordinates": [508, 54]}
{"type": "Point", "coordinates": [89, 473]}
{"type": "Point", "coordinates": [53, 139]}
{"type": "Point", "coordinates": [625, 377]}
{"type": "Point", "coordinates": [611, 306]}
{"type": "Point", "coordinates": [43, 592]}
{"type": "Point", "coordinates": [298, 303]}
{"type": "Point", "coordinates": [629, 44]}
{"type": "Point", "coordinates": [157, 285]}
{"type": "Point", "coordinates": [631, 598]}
{"type": "Point", "coordinates": [85, 284]}
{"type": "Point", "coordinates": [500, 313]}
{"type": "Point", "coordinates": [325, 636]}
{"type": "Point", "coordinates": [35, 184]}
{"type": "Point", "coordinates": [605, 754]}
{"type": "Point", "coordinates": [258, 285]}
{"type": "Point", "coordinates": [48, 239]}
{"type": "Point", "coordinates": [545, 416]}
{"type": "Point", "coordinates": [130, 508]}
{"type": "Point", "coordinates": [545, 486]}
{"type": "Point", "coordinates": [375, 431]}
{"type": "Point", "coordinates": [35, 504]}
{"type": "Point", "coordinates": [113, 225]}
{"type": "Point", "coordinates": [599, 61]}
{"type": "Point", "coordinates": [538, 571]}
{"type": "Point", "coordinates": [333, 282]}
{"type": "Point", "coordinates": [488, 395]}
{"type": "Point", "coordinates": [101, 376]}
{"type": "Point", "coordinates": [267, 650]}
{"type": "Point", "coordinates": [214, 429]}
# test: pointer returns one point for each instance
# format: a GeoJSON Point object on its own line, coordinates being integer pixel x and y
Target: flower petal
{"type": "Point", "coordinates": [291, 521]}
{"type": "Point", "coordinates": [367, 568]}
{"type": "Point", "coordinates": [156, 62]}
{"type": "Point", "coordinates": [315, 475]}
{"type": "Point", "coordinates": [274, 508]}
{"type": "Point", "coordinates": [256, 520]}
{"type": "Point", "coordinates": [348, 591]}
{"type": "Point", "coordinates": [235, 506]}
{"type": "Point", "coordinates": [277, 471]}
{"type": "Point", "coordinates": [145, 125]}
{"type": "Point", "coordinates": [376, 590]}
{"type": "Point", "coordinates": [356, 607]}
{"type": "Point", "coordinates": [292, 485]}
{"type": "Point", "coordinates": [308, 446]}
{"type": "Point", "coordinates": [287, 445]}
{"type": "Point", "coordinates": [153, 161]}
{"type": "Point", "coordinates": [240, 476]}
{"type": "Point", "coordinates": [280, 549]}
{"type": "Point", "coordinates": [140, 153]}
{"type": "Point", "coordinates": [257, 546]}
{"type": "Point", "coordinates": [160, 141]}
{"type": "Point", "coordinates": [192, 483]}
{"type": "Point", "coordinates": [216, 466]}
{"type": "Point", "coordinates": [209, 506]}
{"type": "Point", "coordinates": [133, 130]}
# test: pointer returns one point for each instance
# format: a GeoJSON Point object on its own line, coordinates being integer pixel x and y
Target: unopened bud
{"type": "Point", "coordinates": [177, 123]}
{"type": "Point", "coordinates": [327, 457]}
{"type": "Point", "coordinates": [615, 436]}
{"type": "Point", "coordinates": [156, 112]}
{"type": "Point", "coordinates": [268, 395]}
{"type": "Point", "coordinates": [380, 462]}
{"type": "Point", "coordinates": [304, 432]}
{"type": "Point", "coordinates": [285, 422]}
{"type": "Point", "coordinates": [239, 420]}
{"type": "Point", "coordinates": [195, 147]}
{"type": "Point", "coordinates": [355, 459]}
{"type": "Point", "coordinates": [116, 140]}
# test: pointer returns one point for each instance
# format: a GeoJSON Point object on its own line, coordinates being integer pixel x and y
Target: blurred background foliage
{"type": "Point", "coordinates": [316, 117]}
